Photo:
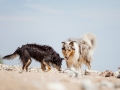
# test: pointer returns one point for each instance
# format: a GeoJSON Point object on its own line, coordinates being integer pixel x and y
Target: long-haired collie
{"type": "Point", "coordinates": [44, 54]}
{"type": "Point", "coordinates": [78, 51]}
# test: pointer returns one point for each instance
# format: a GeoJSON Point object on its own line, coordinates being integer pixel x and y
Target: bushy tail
{"type": "Point", "coordinates": [90, 39]}
{"type": "Point", "coordinates": [12, 56]}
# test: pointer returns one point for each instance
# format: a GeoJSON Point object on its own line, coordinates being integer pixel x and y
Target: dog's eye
{"type": "Point", "coordinates": [69, 50]}
{"type": "Point", "coordinates": [63, 49]}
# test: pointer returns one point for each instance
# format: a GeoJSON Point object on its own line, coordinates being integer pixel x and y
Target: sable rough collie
{"type": "Point", "coordinates": [44, 54]}
{"type": "Point", "coordinates": [78, 51]}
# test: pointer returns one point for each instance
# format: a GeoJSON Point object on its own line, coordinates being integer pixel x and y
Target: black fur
{"type": "Point", "coordinates": [39, 52]}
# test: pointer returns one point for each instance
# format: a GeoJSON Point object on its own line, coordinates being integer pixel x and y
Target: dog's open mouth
{"type": "Point", "coordinates": [66, 58]}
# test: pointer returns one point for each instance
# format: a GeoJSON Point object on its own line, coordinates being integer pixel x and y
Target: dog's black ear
{"type": "Point", "coordinates": [58, 55]}
{"type": "Point", "coordinates": [63, 42]}
{"type": "Point", "coordinates": [63, 48]}
{"type": "Point", "coordinates": [62, 58]}
{"type": "Point", "coordinates": [71, 43]}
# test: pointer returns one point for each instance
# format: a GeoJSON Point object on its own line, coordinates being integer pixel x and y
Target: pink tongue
{"type": "Point", "coordinates": [66, 58]}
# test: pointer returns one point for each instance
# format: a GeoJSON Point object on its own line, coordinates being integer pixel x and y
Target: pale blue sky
{"type": "Point", "coordinates": [52, 21]}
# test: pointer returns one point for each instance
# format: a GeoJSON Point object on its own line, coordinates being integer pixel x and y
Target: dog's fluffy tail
{"type": "Point", "coordinates": [90, 39]}
{"type": "Point", "coordinates": [12, 56]}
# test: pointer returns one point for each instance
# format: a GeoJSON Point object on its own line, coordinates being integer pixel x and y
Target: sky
{"type": "Point", "coordinates": [49, 22]}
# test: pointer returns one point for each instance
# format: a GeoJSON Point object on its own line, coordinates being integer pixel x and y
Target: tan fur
{"type": "Point", "coordinates": [47, 65]}
{"type": "Point", "coordinates": [86, 46]}
{"type": "Point", "coordinates": [67, 53]}
{"type": "Point", "coordinates": [43, 66]}
{"type": "Point", "coordinates": [27, 64]}
{"type": "Point", "coordinates": [57, 67]}
{"type": "Point", "coordinates": [12, 56]}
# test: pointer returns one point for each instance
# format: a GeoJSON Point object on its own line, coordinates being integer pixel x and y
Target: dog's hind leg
{"type": "Point", "coordinates": [43, 66]}
{"type": "Point", "coordinates": [46, 64]}
{"type": "Point", "coordinates": [23, 67]}
{"type": "Point", "coordinates": [87, 61]}
{"type": "Point", "coordinates": [89, 66]}
{"type": "Point", "coordinates": [25, 59]}
{"type": "Point", "coordinates": [27, 64]}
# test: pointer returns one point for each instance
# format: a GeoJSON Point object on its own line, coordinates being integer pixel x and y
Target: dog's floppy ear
{"type": "Point", "coordinates": [58, 54]}
{"type": "Point", "coordinates": [63, 42]}
{"type": "Point", "coordinates": [71, 43]}
{"type": "Point", "coordinates": [18, 48]}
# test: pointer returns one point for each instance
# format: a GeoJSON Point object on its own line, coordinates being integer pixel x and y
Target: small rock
{"type": "Point", "coordinates": [118, 76]}
{"type": "Point", "coordinates": [107, 73]}
{"type": "Point", "coordinates": [89, 72]}
{"type": "Point", "coordinates": [116, 73]}
{"type": "Point", "coordinates": [72, 72]}
{"type": "Point", "coordinates": [55, 86]}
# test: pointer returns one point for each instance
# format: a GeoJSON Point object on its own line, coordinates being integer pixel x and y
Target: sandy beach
{"type": "Point", "coordinates": [36, 79]}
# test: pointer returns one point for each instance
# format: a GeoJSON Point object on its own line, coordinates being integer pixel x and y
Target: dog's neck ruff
{"type": "Point", "coordinates": [76, 54]}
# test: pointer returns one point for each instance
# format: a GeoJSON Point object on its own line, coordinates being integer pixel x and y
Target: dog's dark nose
{"type": "Point", "coordinates": [66, 58]}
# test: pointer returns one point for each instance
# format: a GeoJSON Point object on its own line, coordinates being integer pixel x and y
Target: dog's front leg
{"type": "Point", "coordinates": [43, 66]}
{"type": "Point", "coordinates": [48, 66]}
{"type": "Point", "coordinates": [69, 64]}
{"type": "Point", "coordinates": [23, 67]}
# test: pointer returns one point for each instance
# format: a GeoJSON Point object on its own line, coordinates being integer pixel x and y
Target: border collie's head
{"type": "Point", "coordinates": [68, 49]}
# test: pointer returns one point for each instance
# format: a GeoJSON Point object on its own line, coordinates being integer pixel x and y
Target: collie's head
{"type": "Point", "coordinates": [68, 49]}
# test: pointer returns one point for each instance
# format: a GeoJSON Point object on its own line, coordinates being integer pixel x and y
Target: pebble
{"type": "Point", "coordinates": [55, 86]}
{"type": "Point", "coordinates": [17, 68]}
{"type": "Point", "coordinates": [72, 72]}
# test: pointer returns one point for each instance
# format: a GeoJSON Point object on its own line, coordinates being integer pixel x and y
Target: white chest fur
{"type": "Point", "coordinates": [73, 59]}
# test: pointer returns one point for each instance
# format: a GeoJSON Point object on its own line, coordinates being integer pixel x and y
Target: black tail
{"type": "Point", "coordinates": [12, 56]}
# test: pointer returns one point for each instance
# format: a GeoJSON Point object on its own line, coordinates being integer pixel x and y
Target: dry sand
{"type": "Point", "coordinates": [36, 79]}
